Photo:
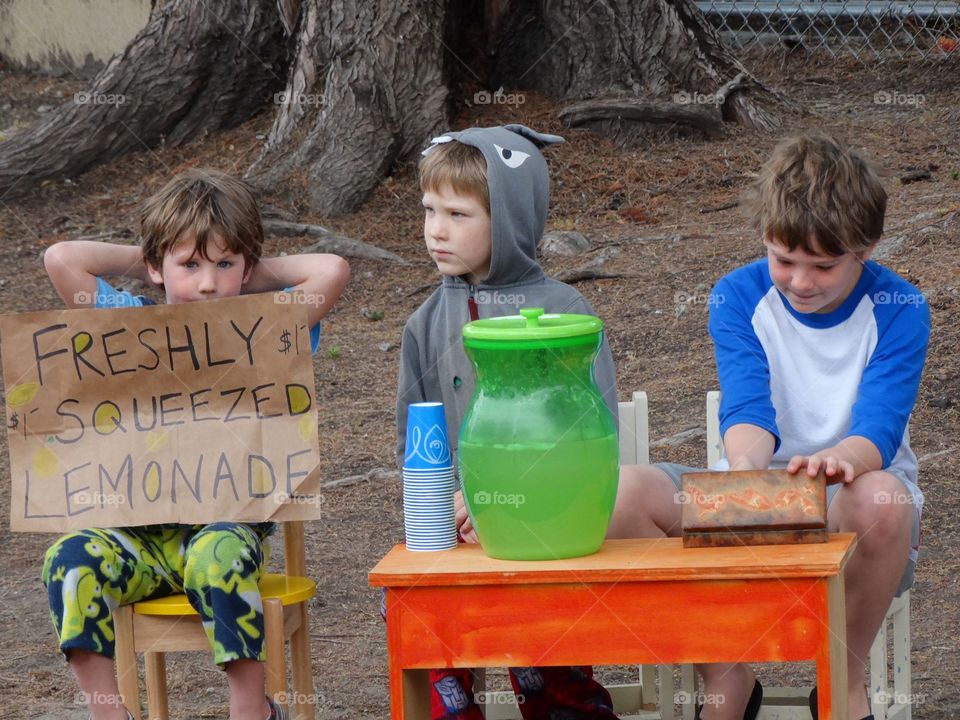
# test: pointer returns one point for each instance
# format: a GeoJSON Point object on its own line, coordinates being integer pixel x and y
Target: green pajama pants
{"type": "Point", "coordinates": [91, 572]}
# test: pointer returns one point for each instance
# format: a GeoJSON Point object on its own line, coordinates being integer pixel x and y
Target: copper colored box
{"type": "Point", "coordinates": [755, 507]}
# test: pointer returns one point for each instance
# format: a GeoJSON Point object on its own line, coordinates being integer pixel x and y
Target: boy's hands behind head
{"type": "Point", "coordinates": [73, 267]}
{"type": "Point", "coordinates": [316, 280]}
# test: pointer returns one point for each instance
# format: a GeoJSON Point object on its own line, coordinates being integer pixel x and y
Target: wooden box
{"type": "Point", "coordinates": [756, 507]}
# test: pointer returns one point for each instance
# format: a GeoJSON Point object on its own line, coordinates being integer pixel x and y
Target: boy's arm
{"type": "Point", "coordinates": [606, 377]}
{"type": "Point", "coordinates": [410, 387]}
{"type": "Point", "coordinates": [74, 265]}
{"type": "Point", "coordinates": [320, 278]}
{"type": "Point", "coordinates": [748, 423]}
{"type": "Point", "coordinates": [888, 387]}
{"type": "Point", "coordinates": [604, 370]}
{"type": "Point", "coordinates": [748, 447]}
{"type": "Point", "coordinates": [886, 394]}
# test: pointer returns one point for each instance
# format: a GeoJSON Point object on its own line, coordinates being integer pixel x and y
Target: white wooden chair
{"type": "Point", "coordinates": [889, 702]}
{"type": "Point", "coordinates": [653, 697]}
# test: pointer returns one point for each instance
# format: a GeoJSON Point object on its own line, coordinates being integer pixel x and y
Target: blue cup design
{"type": "Point", "coordinates": [428, 447]}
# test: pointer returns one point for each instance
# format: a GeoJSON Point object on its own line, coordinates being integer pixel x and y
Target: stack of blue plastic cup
{"type": "Point", "coordinates": [428, 484]}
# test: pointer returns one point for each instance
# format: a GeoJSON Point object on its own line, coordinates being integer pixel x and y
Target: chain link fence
{"type": "Point", "coordinates": [866, 29]}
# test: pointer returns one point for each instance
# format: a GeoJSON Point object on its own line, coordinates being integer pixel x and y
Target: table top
{"type": "Point", "coordinates": [617, 561]}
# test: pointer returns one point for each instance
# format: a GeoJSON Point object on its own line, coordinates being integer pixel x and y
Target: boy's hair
{"type": "Point", "coordinates": [202, 201]}
{"type": "Point", "coordinates": [460, 166]}
{"type": "Point", "coordinates": [816, 194]}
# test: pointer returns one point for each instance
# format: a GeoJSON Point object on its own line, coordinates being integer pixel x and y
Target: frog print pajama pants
{"type": "Point", "coordinates": [91, 572]}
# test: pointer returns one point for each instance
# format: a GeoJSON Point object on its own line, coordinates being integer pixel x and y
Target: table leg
{"type": "Point", "coordinates": [832, 657]}
{"type": "Point", "coordinates": [409, 689]}
{"type": "Point", "coordinates": [409, 694]}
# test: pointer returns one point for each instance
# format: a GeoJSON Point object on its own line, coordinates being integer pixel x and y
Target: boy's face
{"type": "Point", "coordinates": [813, 283]}
{"type": "Point", "coordinates": [458, 233]}
{"type": "Point", "coordinates": [187, 276]}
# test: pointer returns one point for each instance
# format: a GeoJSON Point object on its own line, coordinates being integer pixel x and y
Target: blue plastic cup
{"type": "Point", "coordinates": [428, 514]}
{"type": "Point", "coordinates": [428, 447]}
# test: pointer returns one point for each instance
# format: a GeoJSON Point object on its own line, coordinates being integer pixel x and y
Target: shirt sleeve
{"type": "Point", "coordinates": [108, 296]}
{"type": "Point", "coordinates": [604, 371]}
{"type": "Point", "coordinates": [742, 365]}
{"type": "Point", "coordinates": [888, 387]}
{"type": "Point", "coordinates": [315, 332]}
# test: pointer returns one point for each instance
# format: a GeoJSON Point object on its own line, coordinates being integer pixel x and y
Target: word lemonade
{"type": "Point", "coordinates": [169, 413]}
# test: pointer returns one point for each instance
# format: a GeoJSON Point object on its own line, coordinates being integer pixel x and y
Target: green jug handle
{"type": "Point", "coordinates": [532, 315]}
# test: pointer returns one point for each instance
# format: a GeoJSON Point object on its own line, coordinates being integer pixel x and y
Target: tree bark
{"type": "Point", "coordinates": [370, 80]}
{"type": "Point", "coordinates": [655, 50]}
{"type": "Point", "coordinates": [198, 66]}
{"type": "Point", "coordinates": [367, 88]}
{"type": "Point", "coordinates": [656, 112]}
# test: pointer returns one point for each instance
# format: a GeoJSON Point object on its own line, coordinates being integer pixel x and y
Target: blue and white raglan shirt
{"type": "Point", "coordinates": [109, 297]}
{"type": "Point", "coordinates": [813, 379]}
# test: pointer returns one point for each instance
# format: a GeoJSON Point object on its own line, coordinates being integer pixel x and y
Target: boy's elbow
{"type": "Point", "coordinates": [54, 256]}
{"type": "Point", "coordinates": [342, 270]}
{"type": "Point", "coordinates": [59, 260]}
{"type": "Point", "coordinates": [338, 275]}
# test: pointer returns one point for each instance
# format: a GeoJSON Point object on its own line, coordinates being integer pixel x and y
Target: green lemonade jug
{"type": "Point", "coordinates": [538, 454]}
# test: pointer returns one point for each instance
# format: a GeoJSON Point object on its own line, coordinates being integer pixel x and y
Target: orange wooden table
{"type": "Point", "coordinates": [635, 601]}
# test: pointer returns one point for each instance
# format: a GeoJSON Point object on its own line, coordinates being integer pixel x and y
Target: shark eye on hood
{"type": "Point", "coordinates": [511, 158]}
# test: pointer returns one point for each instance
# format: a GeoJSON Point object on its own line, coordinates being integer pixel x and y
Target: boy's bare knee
{"type": "Point", "coordinates": [876, 507]}
{"type": "Point", "coordinates": [646, 504]}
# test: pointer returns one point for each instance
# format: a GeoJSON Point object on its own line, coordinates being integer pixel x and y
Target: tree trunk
{"type": "Point", "coordinates": [652, 50]}
{"type": "Point", "coordinates": [383, 91]}
{"type": "Point", "coordinates": [198, 66]}
{"type": "Point", "coordinates": [367, 88]}
{"type": "Point", "coordinates": [369, 82]}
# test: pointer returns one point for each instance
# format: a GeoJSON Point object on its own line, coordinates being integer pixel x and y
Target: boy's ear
{"type": "Point", "coordinates": [156, 277]}
{"type": "Point", "coordinates": [865, 254]}
{"type": "Point", "coordinates": [247, 272]}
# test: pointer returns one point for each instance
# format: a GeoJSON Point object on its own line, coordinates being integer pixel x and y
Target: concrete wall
{"type": "Point", "coordinates": [67, 37]}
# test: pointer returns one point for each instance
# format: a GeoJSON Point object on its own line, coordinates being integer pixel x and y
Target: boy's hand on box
{"type": "Point", "coordinates": [464, 526]}
{"type": "Point", "coordinates": [832, 466]}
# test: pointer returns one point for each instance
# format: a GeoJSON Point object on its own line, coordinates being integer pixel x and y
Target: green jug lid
{"type": "Point", "coordinates": [531, 324]}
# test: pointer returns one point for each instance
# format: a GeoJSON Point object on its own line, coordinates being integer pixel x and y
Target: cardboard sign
{"type": "Point", "coordinates": [187, 413]}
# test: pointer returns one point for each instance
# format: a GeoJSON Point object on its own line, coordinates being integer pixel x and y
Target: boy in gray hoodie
{"type": "Point", "coordinates": [485, 197]}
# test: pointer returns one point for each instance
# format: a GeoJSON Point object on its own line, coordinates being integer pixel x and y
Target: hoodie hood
{"type": "Point", "coordinates": [519, 188]}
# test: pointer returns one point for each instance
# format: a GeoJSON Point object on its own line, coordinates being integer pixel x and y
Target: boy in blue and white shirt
{"type": "Point", "coordinates": [819, 353]}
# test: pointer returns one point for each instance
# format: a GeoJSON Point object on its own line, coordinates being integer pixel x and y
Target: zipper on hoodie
{"type": "Point", "coordinates": [472, 302]}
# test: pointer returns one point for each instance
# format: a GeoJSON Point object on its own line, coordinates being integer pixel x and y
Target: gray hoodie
{"type": "Point", "coordinates": [433, 364]}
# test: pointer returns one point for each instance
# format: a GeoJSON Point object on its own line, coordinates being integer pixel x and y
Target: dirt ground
{"type": "Point", "coordinates": [647, 204]}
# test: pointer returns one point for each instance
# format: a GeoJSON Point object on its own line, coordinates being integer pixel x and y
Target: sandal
{"type": "Point", "coordinates": [753, 704]}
